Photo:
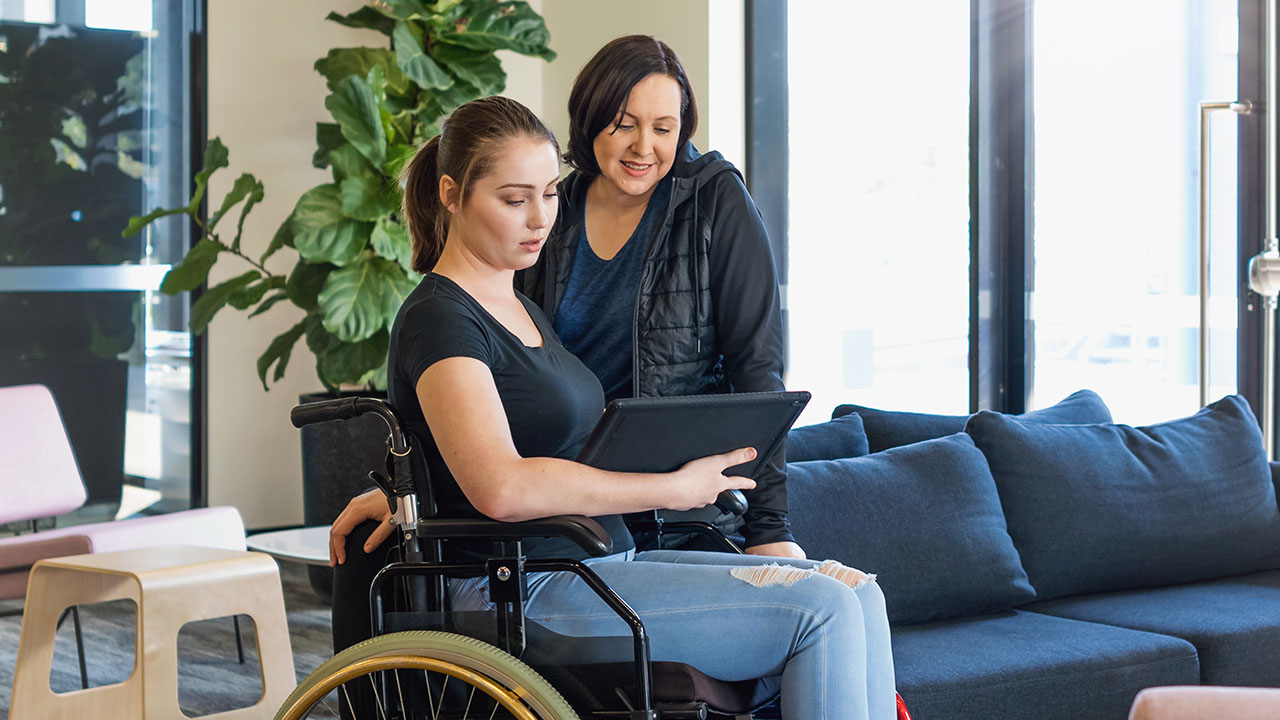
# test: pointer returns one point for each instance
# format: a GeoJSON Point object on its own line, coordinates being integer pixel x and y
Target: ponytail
{"type": "Point", "coordinates": [424, 215]}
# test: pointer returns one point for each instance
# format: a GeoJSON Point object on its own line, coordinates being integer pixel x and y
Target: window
{"type": "Point", "coordinates": [878, 244]}
{"type": "Point", "coordinates": [96, 125]}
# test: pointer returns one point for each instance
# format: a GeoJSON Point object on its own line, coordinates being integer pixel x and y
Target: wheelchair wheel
{"type": "Point", "coordinates": [425, 674]}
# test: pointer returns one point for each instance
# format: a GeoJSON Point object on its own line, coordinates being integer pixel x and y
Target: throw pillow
{"type": "Point", "coordinates": [887, 429]}
{"type": "Point", "coordinates": [1105, 507]}
{"type": "Point", "coordinates": [842, 437]}
{"type": "Point", "coordinates": [925, 518]}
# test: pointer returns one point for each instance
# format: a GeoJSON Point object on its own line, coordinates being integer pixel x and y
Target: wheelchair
{"type": "Point", "coordinates": [498, 665]}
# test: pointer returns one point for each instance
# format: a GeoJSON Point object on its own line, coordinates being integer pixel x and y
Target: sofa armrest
{"type": "Point", "coordinates": [1202, 701]}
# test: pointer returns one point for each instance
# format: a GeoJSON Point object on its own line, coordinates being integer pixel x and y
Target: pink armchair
{"type": "Point", "coordinates": [39, 478]}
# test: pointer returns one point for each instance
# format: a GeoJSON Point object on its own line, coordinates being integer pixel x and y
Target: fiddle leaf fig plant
{"type": "Point", "coordinates": [352, 270]}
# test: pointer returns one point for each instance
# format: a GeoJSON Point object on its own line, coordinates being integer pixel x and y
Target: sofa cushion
{"type": "Point", "coordinates": [1104, 507]}
{"type": "Point", "coordinates": [842, 437]}
{"type": "Point", "coordinates": [925, 518]}
{"type": "Point", "coordinates": [1234, 623]}
{"type": "Point", "coordinates": [887, 429]}
{"type": "Point", "coordinates": [1026, 665]}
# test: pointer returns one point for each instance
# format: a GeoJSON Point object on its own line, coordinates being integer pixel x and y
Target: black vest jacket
{"type": "Point", "coordinates": [707, 316]}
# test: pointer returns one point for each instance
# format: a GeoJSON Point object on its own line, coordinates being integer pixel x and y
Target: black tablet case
{"type": "Point", "coordinates": [662, 433]}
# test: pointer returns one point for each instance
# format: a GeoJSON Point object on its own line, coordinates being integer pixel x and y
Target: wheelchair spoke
{"type": "Point", "coordinates": [400, 691]}
{"type": "Point", "coordinates": [377, 701]}
{"type": "Point", "coordinates": [467, 712]}
{"type": "Point", "coordinates": [445, 684]}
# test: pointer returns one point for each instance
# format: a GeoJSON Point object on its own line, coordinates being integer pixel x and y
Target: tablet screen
{"type": "Point", "coordinates": [661, 434]}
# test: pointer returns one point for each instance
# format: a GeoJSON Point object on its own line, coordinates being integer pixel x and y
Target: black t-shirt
{"type": "Point", "coordinates": [551, 399]}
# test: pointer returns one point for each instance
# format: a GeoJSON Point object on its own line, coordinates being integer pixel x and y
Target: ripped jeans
{"type": "Point", "coordinates": [735, 618]}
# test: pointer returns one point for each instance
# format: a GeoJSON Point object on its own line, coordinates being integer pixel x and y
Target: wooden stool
{"type": "Point", "coordinates": [171, 586]}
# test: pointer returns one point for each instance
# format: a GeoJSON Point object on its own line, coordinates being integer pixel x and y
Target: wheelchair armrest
{"type": "Point", "coordinates": [587, 533]}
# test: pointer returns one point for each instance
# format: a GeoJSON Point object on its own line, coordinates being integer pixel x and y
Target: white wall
{"type": "Point", "coordinates": [264, 101]}
{"type": "Point", "coordinates": [706, 34]}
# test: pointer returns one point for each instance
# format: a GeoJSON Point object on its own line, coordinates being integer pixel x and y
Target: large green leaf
{"type": "Point", "coordinates": [354, 299]}
{"type": "Point", "coordinates": [357, 111]}
{"type": "Point", "coordinates": [366, 17]}
{"type": "Point", "coordinates": [239, 191]}
{"type": "Point", "coordinates": [397, 156]}
{"type": "Point", "coordinates": [344, 62]}
{"type": "Point", "coordinates": [215, 298]}
{"type": "Point", "coordinates": [433, 105]}
{"type": "Point", "coordinates": [415, 63]}
{"type": "Point", "coordinates": [193, 271]}
{"type": "Point", "coordinates": [215, 156]}
{"type": "Point", "coordinates": [404, 9]}
{"type": "Point", "coordinates": [137, 222]}
{"type": "Point", "coordinates": [270, 302]}
{"type": "Point", "coordinates": [282, 238]}
{"type": "Point", "coordinates": [348, 162]}
{"type": "Point", "coordinates": [255, 196]}
{"type": "Point", "coordinates": [399, 285]}
{"type": "Point", "coordinates": [319, 340]}
{"type": "Point", "coordinates": [244, 298]}
{"type": "Point", "coordinates": [391, 241]}
{"type": "Point", "coordinates": [353, 362]}
{"type": "Point", "coordinates": [328, 137]}
{"type": "Point", "coordinates": [365, 198]}
{"type": "Point", "coordinates": [305, 282]}
{"type": "Point", "coordinates": [322, 233]}
{"type": "Point", "coordinates": [278, 352]}
{"type": "Point", "coordinates": [478, 68]}
{"type": "Point", "coordinates": [504, 26]}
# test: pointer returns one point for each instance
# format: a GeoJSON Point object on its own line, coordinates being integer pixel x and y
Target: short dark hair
{"type": "Point", "coordinates": [471, 137]}
{"type": "Point", "coordinates": [601, 90]}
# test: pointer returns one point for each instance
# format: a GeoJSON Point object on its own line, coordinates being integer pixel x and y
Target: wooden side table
{"type": "Point", "coordinates": [171, 586]}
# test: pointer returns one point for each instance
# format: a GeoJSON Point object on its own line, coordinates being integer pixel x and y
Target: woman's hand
{"type": "Point", "coordinates": [371, 505]}
{"type": "Point", "coordinates": [699, 482]}
{"type": "Point", "coordinates": [784, 548]}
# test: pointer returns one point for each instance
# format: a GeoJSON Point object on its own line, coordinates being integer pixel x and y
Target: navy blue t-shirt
{"type": "Point", "coordinates": [596, 317]}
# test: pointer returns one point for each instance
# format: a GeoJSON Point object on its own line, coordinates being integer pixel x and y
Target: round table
{"type": "Point", "coordinates": [308, 545]}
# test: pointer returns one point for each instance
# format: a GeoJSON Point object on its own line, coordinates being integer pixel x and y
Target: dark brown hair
{"type": "Point", "coordinates": [601, 90]}
{"type": "Point", "coordinates": [471, 137]}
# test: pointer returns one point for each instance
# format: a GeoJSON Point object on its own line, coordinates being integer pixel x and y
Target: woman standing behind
{"type": "Point", "coordinates": [658, 275]}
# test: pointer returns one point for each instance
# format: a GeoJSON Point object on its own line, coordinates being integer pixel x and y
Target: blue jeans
{"type": "Point", "coordinates": [828, 642]}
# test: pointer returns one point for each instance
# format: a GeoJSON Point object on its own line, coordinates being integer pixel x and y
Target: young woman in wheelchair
{"type": "Point", "coordinates": [500, 408]}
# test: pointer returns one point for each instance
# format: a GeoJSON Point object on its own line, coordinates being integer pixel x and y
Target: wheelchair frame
{"type": "Point", "coordinates": [422, 552]}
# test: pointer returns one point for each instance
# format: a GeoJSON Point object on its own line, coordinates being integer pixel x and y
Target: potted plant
{"type": "Point", "coordinates": [352, 268]}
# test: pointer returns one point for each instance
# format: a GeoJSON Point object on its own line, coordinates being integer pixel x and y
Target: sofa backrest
{"type": "Point", "coordinates": [1104, 507]}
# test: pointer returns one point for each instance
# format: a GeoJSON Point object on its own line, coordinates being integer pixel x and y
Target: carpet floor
{"type": "Point", "coordinates": [210, 677]}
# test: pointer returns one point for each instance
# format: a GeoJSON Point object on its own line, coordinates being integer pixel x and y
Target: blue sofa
{"type": "Point", "coordinates": [1054, 564]}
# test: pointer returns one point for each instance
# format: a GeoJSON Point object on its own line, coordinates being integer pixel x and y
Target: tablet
{"type": "Point", "coordinates": [660, 434]}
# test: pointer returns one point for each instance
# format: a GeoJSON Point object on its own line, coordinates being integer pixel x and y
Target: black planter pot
{"type": "Point", "coordinates": [336, 459]}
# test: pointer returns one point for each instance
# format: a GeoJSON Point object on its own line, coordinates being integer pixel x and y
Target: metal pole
{"type": "Point", "coordinates": [1269, 302]}
{"type": "Point", "coordinates": [1207, 109]}
{"type": "Point", "coordinates": [1264, 268]}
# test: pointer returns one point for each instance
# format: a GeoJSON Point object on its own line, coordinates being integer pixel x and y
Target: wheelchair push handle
{"type": "Point", "coordinates": [347, 408]}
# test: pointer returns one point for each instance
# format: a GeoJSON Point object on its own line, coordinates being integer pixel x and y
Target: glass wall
{"type": "Point", "coordinates": [95, 126]}
{"type": "Point", "coordinates": [878, 245]}
{"type": "Point", "coordinates": [1117, 90]}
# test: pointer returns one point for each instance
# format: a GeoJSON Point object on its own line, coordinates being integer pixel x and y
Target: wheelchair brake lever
{"type": "Point", "coordinates": [732, 502]}
{"type": "Point", "coordinates": [385, 486]}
